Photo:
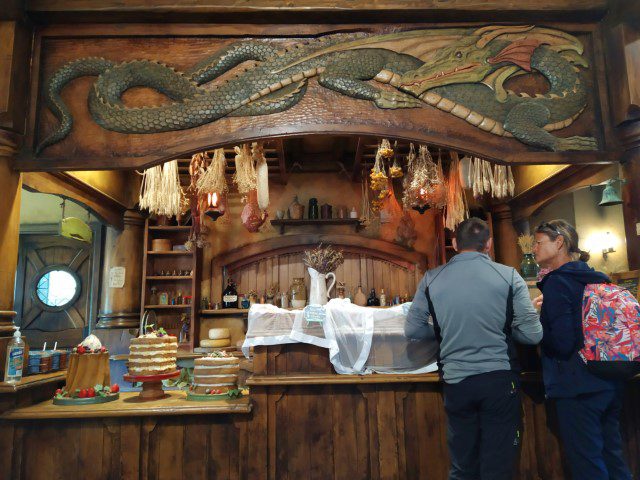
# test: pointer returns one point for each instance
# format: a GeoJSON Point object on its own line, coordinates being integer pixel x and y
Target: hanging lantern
{"type": "Point", "coordinates": [215, 206]}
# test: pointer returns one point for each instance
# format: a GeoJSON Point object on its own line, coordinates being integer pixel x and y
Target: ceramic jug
{"type": "Point", "coordinates": [319, 292]}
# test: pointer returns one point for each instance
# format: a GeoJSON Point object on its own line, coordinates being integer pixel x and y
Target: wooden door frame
{"type": "Point", "coordinates": [96, 259]}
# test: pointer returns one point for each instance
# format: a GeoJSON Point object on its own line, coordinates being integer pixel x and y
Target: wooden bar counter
{"type": "Point", "coordinates": [301, 421]}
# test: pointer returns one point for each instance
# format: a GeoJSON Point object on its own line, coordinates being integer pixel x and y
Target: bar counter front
{"type": "Point", "coordinates": [301, 420]}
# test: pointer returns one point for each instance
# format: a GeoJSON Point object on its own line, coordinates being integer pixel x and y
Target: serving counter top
{"type": "Point", "coordinates": [32, 381]}
{"type": "Point", "coordinates": [128, 405]}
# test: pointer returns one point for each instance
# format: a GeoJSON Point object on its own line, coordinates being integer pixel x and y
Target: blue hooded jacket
{"type": "Point", "coordinates": [565, 374]}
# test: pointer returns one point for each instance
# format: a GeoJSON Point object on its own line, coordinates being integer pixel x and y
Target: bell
{"type": "Point", "coordinates": [610, 195]}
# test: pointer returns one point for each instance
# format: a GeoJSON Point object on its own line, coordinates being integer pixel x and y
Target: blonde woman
{"type": "Point", "coordinates": [588, 407]}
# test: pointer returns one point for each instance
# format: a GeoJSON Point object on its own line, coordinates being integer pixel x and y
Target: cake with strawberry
{"type": "Point", "coordinates": [216, 373]}
{"type": "Point", "coordinates": [88, 373]}
{"type": "Point", "coordinates": [153, 353]}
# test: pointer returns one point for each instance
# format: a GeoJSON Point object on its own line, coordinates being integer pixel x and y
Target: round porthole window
{"type": "Point", "coordinates": [57, 288]}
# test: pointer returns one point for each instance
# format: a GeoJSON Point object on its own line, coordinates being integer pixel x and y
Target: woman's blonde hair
{"type": "Point", "coordinates": [556, 228]}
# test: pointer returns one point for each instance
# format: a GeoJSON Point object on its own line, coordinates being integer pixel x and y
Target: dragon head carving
{"type": "Point", "coordinates": [485, 52]}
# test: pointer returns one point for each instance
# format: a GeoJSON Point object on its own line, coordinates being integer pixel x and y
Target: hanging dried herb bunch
{"type": "Point", "coordinates": [245, 176]}
{"type": "Point", "coordinates": [213, 178]}
{"type": "Point", "coordinates": [323, 259]}
{"type": "Point", "coordinates": [422, 177]}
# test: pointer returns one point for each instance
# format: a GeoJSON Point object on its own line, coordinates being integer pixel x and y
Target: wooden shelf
{"type": "Point", "coordinates": [225, 312]}
{"type": "Point", "coordinates": [283, 223]}
{"type": "Point", "coordinates": [171, 253]}
{"type": "Point", "coordinates": [31, 381]}
{"type": "Point", "coordinates": [169, 277]}
{"type": "Point", "coordinates": [170, 228]}
{"type": "Point", "coordinates": [168, 306]}
{"type": "Point", "coordinates": [175, 403]}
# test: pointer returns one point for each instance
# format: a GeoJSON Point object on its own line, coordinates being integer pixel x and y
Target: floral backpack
{"type": "Point", "coordinates": [611, 327]}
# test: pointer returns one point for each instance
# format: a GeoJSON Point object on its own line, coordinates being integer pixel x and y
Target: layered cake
{"type": "Point", "coordinates": [153, 354]}
{"type": "Point", "coordinates": [215, 374]}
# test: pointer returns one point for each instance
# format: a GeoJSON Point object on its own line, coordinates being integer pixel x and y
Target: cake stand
{"type": "Point", "coordinates": [151, 384]}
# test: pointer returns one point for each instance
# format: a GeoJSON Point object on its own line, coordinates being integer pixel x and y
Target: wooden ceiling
{"type": "Point", "coordinates": [318, 154]}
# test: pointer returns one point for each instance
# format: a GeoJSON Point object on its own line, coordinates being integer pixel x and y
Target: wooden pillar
{"type": "Point", "coordinates": [631, 206]}
{"type": "Point", "coordinates": [505, 237]}
{"type": "Point", "coordinates": [120, 305]}
{"type": "Point", "coordinates": [10, 186]}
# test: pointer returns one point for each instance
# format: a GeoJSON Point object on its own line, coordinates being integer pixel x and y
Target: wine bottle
{"type": "Point", "coordinates": [230, 295]}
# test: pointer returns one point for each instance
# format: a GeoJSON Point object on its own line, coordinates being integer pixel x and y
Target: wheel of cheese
{"type": "Point", "coordinates": [218, 333]}
{"type": "Point", "coordinates": [225, 342]}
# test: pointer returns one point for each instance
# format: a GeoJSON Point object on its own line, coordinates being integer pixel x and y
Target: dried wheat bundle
{"type": "Point", "coordinates": [457, 209]}
{"type": "Point", "coordinates": [160, 192]}
{"type": "Point", "coordinates": [511, 184]}
{"type": "Point", "coordinates": [213, 179]}
{"type": "Point", "coordinates": [262, 174]}
{"type": "Point", "coordinates": [323, 259]}
{"type": "Point", "coordinates": [245, 176]}
{"type": "Point", "coordinates": [526, 243]}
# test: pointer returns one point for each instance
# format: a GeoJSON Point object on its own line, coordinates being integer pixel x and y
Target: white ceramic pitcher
{"type": "Point", "coordinates": [319, 294]}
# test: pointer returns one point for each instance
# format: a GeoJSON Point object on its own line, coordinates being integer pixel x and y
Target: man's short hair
{"type": "Point", "coordinates": [472, 234]}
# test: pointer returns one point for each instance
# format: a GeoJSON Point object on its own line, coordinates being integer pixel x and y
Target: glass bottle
{"type": "Point", "coordinates": [230, 295]}
{"type": "Point", "coordinates": [383, 298]}
{"type": "Point", "coordinates": [373, 300]}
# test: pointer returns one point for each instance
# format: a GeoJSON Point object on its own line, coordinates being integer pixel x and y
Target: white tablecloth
{"type": "Point", "coordinates": [360, 340]}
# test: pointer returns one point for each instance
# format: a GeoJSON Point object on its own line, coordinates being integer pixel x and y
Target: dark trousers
{"type": "Point", "coordinates": [484, 414]}
{"type": "Point", "coordinates": [590, 430]}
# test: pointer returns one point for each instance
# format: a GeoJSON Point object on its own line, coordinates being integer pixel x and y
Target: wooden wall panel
{"type": "Point", "coordinates": [357, 269]}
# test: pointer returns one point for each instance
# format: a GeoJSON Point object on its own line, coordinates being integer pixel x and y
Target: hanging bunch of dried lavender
{"type": "Point", "coordinates": [323, 259]}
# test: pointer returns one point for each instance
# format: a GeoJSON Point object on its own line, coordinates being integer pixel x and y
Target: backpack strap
{"type": "Point", "coordinates": [508, 330]}
{"type": "Point", "coordinates": [436, 329]}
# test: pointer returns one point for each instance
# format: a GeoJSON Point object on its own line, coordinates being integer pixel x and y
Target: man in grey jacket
{"type": "Point", "coordinates": [475, 307]}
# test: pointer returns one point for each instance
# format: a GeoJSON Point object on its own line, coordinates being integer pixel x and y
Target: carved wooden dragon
{"type": "Point", "coordinates": [460, 71]}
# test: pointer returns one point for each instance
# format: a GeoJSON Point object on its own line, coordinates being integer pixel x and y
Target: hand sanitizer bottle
{"type": "Point", "coordinates": [15, 359]}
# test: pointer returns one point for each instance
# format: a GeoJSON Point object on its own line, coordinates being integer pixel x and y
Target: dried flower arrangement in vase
{"type": "Point", "coordinates": [321, 262]}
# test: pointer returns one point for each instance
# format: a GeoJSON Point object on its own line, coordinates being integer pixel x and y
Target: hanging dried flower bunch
{"type": "Point", "coordinates": [245, 176]}
{"type": "Point", "coordinates": [323, 259]}
{"type": "Point", "coordinates": [213, 179]}
{"type": "Point", "coordinates": [262, 174]}
{"type": "Point", "coordinates": [395, 171]}
{"type": "Point", "coordinates": [378, 175]}
{"type": "Point", "coordinates": [160, 192]}
{"type": "Point", "coordinates": [437, 198]}
{"type": "Point", "coordinates": [385, 150]}
{"type": "Point", "coordinates": [422, 178]}
{"type": "Point", "coordinates": [496, 180]}
{"type": "Point", "coordinates": [457, 210]}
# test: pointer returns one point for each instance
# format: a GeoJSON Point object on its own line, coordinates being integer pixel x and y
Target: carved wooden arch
{"type": "Point", "coordinates": [321, 111]}
{"type": "Point", "coordinates": [380, 249]}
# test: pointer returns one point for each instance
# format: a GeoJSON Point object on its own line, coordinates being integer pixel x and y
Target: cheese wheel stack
{"type": "Point", "coordinates": [218, 338]}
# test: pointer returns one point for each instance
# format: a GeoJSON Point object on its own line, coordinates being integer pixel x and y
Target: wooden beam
{"type": "Point", "coordinates": [257, 11]}
{"type": "Point", "coordinates": [281, 161]}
